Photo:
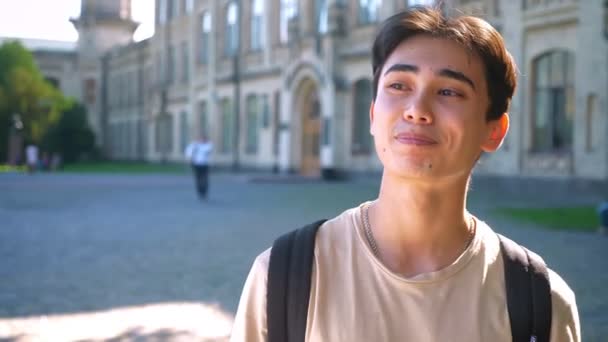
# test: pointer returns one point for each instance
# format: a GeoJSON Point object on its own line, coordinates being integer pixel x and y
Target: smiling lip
{"type": "Point", "coordinates": [415, 139]}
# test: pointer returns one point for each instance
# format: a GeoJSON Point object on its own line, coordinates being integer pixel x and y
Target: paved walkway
{"type": "Point", "coordinates": [97, 247]}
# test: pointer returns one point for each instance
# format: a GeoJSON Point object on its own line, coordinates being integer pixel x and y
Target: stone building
{"type": "Point", "coordinates": [298, 74]}
{"type": "Point", "coordinates": [286, 84]}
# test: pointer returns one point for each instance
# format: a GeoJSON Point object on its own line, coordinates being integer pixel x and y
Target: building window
{"type": "Point", "coordinates": [170, 9]}
{"type": "Point", "coordinates": [203, 118]}
{"type": "Point", "coordinates": [265, 111]}
{"type": "Point", "coordinates": [176, 8]}
{"type": "Point", "coordinates": [53, 81]}
{"type": "Point", "coordinates": [159, 68]}
{"type": "Point", "coordinates": [189, 6]}
{"type": "Point", "coordinates": [205, 34]}
{"type": "Point", "coordinates": [226, 143]}
{"type": "Point", "coordinates": [185, 62]}
{"type": "Point", "coordinates": [276, 113]}
{"type": "Point", "coordinates": [321, 15]}
{"type": "Point", "coordinates": [171, 58]}
{"type": "Point", "coordinates": [231, 37]}
{"type": "Point", "coordinates": [162, 11]}
{"type": "Point", "coordinates": [531, 3]}
{"type": "Point", "coordinates": [257, 22]}
{"type": "Point", "coordinates": [184, 134]}
{"type": "Point", "coordinates": [553, 110]}
{"type": "Point", "coordinates": [90, 91]}
{"type": "Point", "coordinates": [252, 124]}
{"type": "Point", "coordinates": [289, 9]}
{"type": "Point", "coordinates": [164, 133]}
{"type": "Point", "coordinates": [361, 138]}
{"type": "Point", "coordinates": [420, 2]}
{"type": "Point", "coordinates": [128, 88]}
{"type": "Point", "coordinates": [368, 11]}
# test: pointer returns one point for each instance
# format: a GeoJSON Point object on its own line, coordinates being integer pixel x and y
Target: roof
{"type": "Point", "coordinates": [43, 44]}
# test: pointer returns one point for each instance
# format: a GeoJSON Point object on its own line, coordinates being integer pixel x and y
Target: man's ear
{"type": "Point", "coordinates": [371, 118]}
{"type": "Point", "coordinates": [497, 130]}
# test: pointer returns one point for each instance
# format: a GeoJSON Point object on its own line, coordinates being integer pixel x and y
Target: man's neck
{"type": "Point", "coordinates": [420, 227]}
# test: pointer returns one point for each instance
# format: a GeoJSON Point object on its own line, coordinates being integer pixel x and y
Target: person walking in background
{"type": "Point", "coordinates": [31, 155]}
{"type": "Point", "coordinates": [198, 152]}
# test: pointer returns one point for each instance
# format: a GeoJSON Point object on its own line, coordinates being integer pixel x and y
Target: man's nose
{"type": "Point", "coordinates": [419, 111]}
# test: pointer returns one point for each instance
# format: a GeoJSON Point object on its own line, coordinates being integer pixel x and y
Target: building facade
{"type": "Point", "coordinates": [286, 85]}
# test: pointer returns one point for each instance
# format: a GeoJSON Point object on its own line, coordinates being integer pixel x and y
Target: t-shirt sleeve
{"type": "Point", "coordinates": [565, 325]}
{"type": "Point", "coordinates": [250, 321]}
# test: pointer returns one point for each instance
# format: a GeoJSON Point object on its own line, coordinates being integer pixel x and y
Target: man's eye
{"type": "Point", "coordinates": [397, 86]}
{"type": "Point", "coordinates": [448, 92]}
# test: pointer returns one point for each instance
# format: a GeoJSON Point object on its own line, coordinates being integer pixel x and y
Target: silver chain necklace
{"type": "Point", "coordinates": [368, 230]}
{"type": "Point", "coordinates": [374, 245]}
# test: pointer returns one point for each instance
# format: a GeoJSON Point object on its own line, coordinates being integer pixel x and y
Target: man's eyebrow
{"type": "Point", "coordinates": [456, 75]}
{"type": "Point", "coordinates": [402, 68]}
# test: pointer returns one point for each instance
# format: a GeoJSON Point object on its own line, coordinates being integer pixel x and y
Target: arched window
{"type": "Point", "coordinates": [553, 102]}
{"type": "Point", "coordinates": [289, 9]}
{"type": "Point", "coordinates": [257, 22]}
{"type": "Point", "coordinates": [203, 56]}
{"type": "Point", "coordinates": [232, 29]}
{"type": "Point", "coordinates": [253, 109]}
{"type": "Point", "coordinates": [361, 138]}
{"type": "Point", "coordinates": [368, 11]}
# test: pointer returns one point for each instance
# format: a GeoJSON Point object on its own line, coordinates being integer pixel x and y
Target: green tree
{"type": "Point", "coordinates": [24, 91]}
{"type": "Point", "coordinates": [71, 136]}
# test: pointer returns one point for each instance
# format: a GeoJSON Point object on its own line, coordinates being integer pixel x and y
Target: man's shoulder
{"type": "Point", "coordinates": [562, 296]}
{"type": "Point", "coordinates": [340, 224]}
{"type": "Point", "coordinates": [332, 230]}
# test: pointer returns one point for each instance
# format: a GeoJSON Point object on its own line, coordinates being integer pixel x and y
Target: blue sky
{"type": "Point", "coordinates": [49, 19]}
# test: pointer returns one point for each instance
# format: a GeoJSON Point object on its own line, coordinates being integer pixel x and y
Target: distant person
{"type": "Point", "coordinates": [198, 153]}
{"type": "Point", "coordinates": [31, 156]}
{"type": "Point", "coordinates": [415, 264]}
{"type": "Point", "coordinates": [55, 162]}
{"type": "Point", "coordinates": [45, 162]}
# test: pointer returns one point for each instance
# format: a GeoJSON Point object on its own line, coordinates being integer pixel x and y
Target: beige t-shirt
{"type": "Point", "coordinates": [354, 297]}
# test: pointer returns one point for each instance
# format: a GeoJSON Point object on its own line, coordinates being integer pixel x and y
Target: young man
{"type": "Point", "coordinates": [198, 153]}
{"type": "Point", "coordinates": [414, 264]}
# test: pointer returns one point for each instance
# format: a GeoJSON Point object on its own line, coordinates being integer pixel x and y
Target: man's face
{"type": "Point", "coordinates": [429, 116]}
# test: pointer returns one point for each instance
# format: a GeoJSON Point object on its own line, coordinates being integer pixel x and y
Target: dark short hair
{"type": "Point", "coordinates": [474, 34]}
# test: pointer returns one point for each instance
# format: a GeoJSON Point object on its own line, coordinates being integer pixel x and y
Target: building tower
{"type": "Point", "coordinates": [102, 25]}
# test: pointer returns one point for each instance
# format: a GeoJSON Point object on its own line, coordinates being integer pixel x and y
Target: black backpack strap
{"type": "Point", "coordinates": [288, 287]}
{"type": "Point", "coordinates": [528, 292]}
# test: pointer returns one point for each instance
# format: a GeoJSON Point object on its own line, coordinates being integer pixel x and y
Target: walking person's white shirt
{"type": "Point", "coordinates": [31, 154]}
{"type": "Point", "coordinates": [199, 152]}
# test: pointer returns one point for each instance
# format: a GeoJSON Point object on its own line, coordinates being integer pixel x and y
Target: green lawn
{"type": "Point", "coordinates": [125, 167]}
{"type": "Point", "coordinates": [582, 219]}
{"type": "Point", "coordinates": [11, 168]}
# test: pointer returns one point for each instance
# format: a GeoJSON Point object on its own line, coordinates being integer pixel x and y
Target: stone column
{"type": "Point", "coordinates": [333, 114]}
{"type": "Point", "coordinates": [590, 145]}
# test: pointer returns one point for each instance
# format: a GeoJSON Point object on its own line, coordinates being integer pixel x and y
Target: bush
{"type": "Point", "coordinates": [71, 136]}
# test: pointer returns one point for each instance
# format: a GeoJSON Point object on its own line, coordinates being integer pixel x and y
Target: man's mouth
{"type": "Point", "coordinates": [415, 139]}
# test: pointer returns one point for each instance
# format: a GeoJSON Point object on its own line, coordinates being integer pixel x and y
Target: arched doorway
{"type": "Point", "coordinates": [309, 108]}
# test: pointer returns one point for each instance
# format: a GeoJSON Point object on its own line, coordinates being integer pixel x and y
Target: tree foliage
{"type": "Point", "coordinates": [71, 136]}
{"type": "Point", "coordinates": [24, 91]}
